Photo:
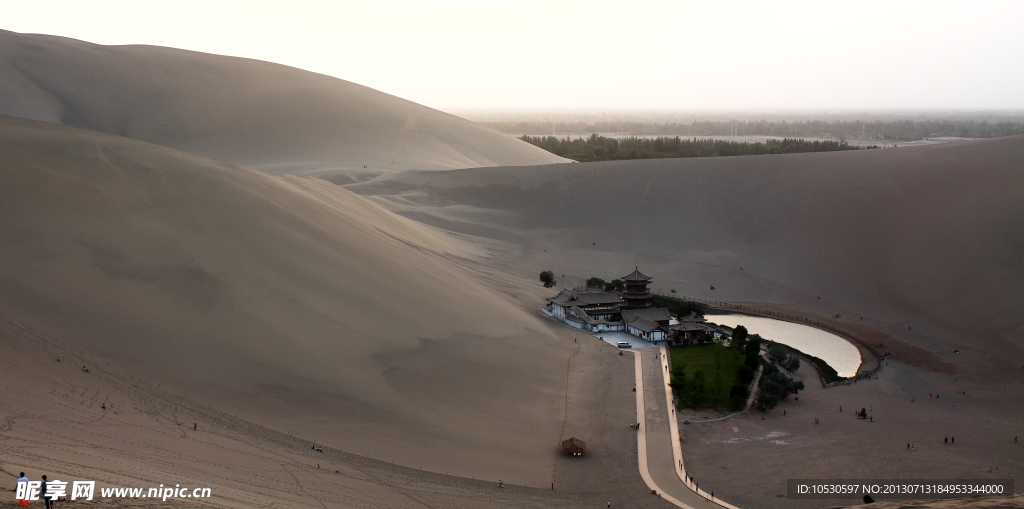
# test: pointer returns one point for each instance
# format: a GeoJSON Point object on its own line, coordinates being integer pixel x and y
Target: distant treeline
{"type": "Point", "coordinates": [895, 130]}
{"type": "Point", "coordinates": [600, 148]}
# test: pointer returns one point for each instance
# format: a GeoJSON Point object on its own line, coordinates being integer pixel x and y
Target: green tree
{"type": "Point", "coordinates": [753, 345]}
{"type": "Point", "coordinates": [596, 282]}
{"type": "Point", "coordinates": [752, 361]}
{"type": "Point", "coordinates": [739, 337]}
{"type": "Point", "coordinates": [776, 386]}
{"type": "Point", "coordinates": [616, 285]}
{"type": "Point", "coordinates": [745, 374]}
{"type": "Point", "coordinates": [738, 396]}
{"type": "Point", "coordinates": [679, 385]}
{"type": "Point", "coordinates": [697, 388]}
{"type": "Point", "coordinates": [548, 278]}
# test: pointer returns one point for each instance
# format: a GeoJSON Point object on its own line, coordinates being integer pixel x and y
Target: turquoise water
{"type": "Point", "coordinates": [834, 350]}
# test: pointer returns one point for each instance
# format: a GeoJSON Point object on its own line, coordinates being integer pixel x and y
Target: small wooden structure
{"type": "Point", "coordinates": [574, 446]}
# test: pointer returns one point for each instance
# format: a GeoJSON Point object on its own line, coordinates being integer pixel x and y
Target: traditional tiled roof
{"type": "Point", "coordinates": [652, 314]}
{"type": "Point", "coordinates": [584, 317]}
{"type": "Point", "coordinates": [644, 324]}
{"type": "Point", "coordinates": [687, 327]}
{"type": "Point", "coordinates": [636, 276]}
{"type": "Point", "coordinates": [692, 327]}
{"type": "Point", "coordinates": [692, 317]}
{"type": "Point", "coordinates": [585, 297]}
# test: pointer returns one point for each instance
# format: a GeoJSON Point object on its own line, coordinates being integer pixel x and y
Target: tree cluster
{"type": "Point", "coordinates": [750, 346]}
{"type": "Point", "coordinates": [775, 386]}
{"type": "Point", "coordinates": [615, 285]}
{"type": "Point", "coordinates": [784, 356]}
{"type": "Point", "coordinates": [548, 278]}
{"type": "Point", "coordinates": [678, 307]}
{"type": "Point", "coordinates": [601, 148]}
{"type": "Point", "coordinates": [890, 130]}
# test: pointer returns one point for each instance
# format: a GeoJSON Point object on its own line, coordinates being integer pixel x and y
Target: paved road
{"type": "Point", "coordinates": [660, 454]}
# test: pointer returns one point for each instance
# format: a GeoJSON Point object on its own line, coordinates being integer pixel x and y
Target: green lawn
{"type": "Point", "coordinates": [702, 376]}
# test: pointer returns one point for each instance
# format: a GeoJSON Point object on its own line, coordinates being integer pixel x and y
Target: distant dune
{"type": "Point", "coordinates": [924, 237]}
{"type": "Point", "coordinates": [287, 300]}
{"type": "Point", "coordinates": [266, 116]}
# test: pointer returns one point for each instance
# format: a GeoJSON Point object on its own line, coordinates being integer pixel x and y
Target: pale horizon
{"type": "Point", "coordinates": [505, 55]}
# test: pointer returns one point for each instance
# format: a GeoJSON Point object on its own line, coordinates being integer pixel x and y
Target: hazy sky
{"type": "Point", "coordinates": [590, 54]}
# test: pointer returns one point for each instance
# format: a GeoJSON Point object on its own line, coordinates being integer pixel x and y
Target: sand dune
{"type": "Point", "coordinates": [300, 305]}
{"type": "Point", "coordinates": [270, 117]}
{"type": "Point", "coordinates": [918, 249]}
{"type": "Point", "coordinates": [55, 425]}
{"type": "Point", "coordinates": [931, 234]}
{"type": "Point", "coordinates": [287, 300]}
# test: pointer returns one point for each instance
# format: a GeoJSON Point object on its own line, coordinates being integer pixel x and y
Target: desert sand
{"type": "Point", "coordinates": [287, 300]}
{"type": "Point", "coordinates": [915, 249]}
{"type": "Point", "coordinates": [179, 245]}
{"type": "Point", "coordinates": [266, 116]}
{"type": "Point", "coordinates": [54, 425]}
{"type": "Point", "coordinates": [238, 293]}
{"type": "Point", "coordinates": [926, 237]}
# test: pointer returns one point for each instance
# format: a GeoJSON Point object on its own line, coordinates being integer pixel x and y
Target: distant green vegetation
{"type": "Point", "coordinates": [600, 148]}
{"type": "Point", "coordinates": [678, 307]}
{"type": "Point", "coordinates": [706, 377]}
{"type": "Point", "coordinates": [614, 285]}
{"type": "Point", "coordinates": [890, 130]}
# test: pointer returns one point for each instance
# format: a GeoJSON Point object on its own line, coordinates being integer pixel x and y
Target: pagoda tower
{"type": "Point", "coordinates": [636, 293]}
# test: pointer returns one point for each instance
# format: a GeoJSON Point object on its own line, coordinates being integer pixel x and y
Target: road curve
{"type": "Point", "coordinates": [679, 491]}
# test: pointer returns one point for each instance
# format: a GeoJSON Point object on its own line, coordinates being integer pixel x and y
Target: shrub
{"type": "Point", "coordinates": [548, 278]}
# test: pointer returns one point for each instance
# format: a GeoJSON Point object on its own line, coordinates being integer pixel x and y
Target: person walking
{"type": "Point", "coordinates": [952, 440]}
{"type": "Point", "coordinates": [22, 479]}
{"type": "Point", "coordinates": [47, 501]}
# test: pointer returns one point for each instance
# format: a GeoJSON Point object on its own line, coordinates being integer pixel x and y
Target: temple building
{"type": "Point", "coordinates": [596, 310]}
{"type": "Point", "coordinates": [636, 294]}
{"type": "Point", "coordinates": [587, 308]}
{"type": "Point", "coordinates": [693, 329]}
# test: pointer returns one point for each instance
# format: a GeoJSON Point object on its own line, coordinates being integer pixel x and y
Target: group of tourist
{"type": "Point", "coordinates": [46, 494]}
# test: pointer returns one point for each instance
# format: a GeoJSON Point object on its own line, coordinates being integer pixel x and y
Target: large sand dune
{"type": "Point", "coordinates": [266, 116]}
{"type": "Point", "coordinates": [929, 233]}
{"type": "Point", "coordinates": [287, 300]}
